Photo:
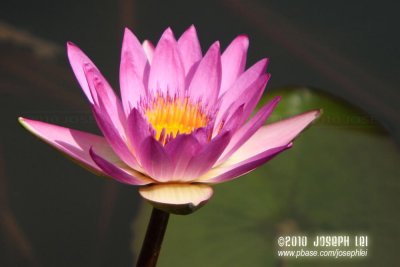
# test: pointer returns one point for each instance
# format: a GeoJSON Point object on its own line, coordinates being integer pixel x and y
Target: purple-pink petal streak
{"type": "Point", "coordinates": [189, 48]}
{"type": "Point", "coordinates": [121, 173]}
{"type": "Point", "coordinates": [267, 142]}
{"type": "Point", "coordinates": [148, 48]}
{"type": "Point", "coordinates": [113, 137]}
{"type": "Point", "coordinates": [249, 83]}
{"type": "Point", "coordinates": [78, 59]}
{"type": "Point", "coordinates": [155, 160]}
{"type": "Point", "coordinates": [181, 150]}
{"type": "Point", "coordinates": [138, 130]}
{"type": "Point", "coordinates": [206, 80]}
{"type": "Point", "coordinates": [233, 61]}
{"type": "Point", "coordinates": [273, 135]}
{"type": "Point", "coordinates": [167, 73]}
{"type": "Point", "coordinates": [133, 66]}
{"type": "Point", "coordinates": [205, 158]}
{"type": "Point", "coordinates": [104, 98]}
{"type": "Point", "coordinates": [227, 171]}
{"type": "Point", "coordinates": [73, 143]}
{"type": "Point", "coordinates": [247, 130]}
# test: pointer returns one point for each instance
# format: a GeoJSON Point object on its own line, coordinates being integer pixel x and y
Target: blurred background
{"type": "Point", "coordinates": [341, 176]}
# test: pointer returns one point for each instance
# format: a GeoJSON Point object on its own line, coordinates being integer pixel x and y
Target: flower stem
{"type": "Point", "coordinates": [154, 236]}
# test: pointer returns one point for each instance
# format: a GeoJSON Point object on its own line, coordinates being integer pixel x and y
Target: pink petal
{"type": "Point", "coordinates": [206, 157]}
{"type": "Point", "coordinates": [267, 142]}
{"type": "Point", "coordinates": [242, 84]}
{"type": "Point", "coordinates": [228, 171]}
{"type": "Point", "coordinates": [104, 98]}
{"type": "Point", "coordinates": [202, 135]}
{"type": "Point", "coordinates": [207, 78]}
{"type": "Point", "coordinates": [155, 160]}
{"type": "Point", "coordinates": [181, 150]}
{"type": "Point", "coordinates": [78, 59]}
{"type": "Point", "coordinates": [114, 138]}
{"type": "Point", "coordinates": [233, 61]}
{"type": "Point", "coordinates": [138, 129]}
{"type": "Point", "coordinates": [121, 173]}
{"type": "Point", "coordinates": [231, 122]}
{"type": "Point", "coordinates": [73, 143]}
{"type": "Point", "coordinates": [232, 99]}
{"type": "Point", "coordinates": [278, 134]}
{"type": "Point", "coordinates": [189, 48]}
{"type": "Point", "coordinates": [246, 131]}
{"type": "Point", "coordinates": [167, 73]}
{"type": "Point", "coordinates": [148, 48]}
{"type": "Point", "coordinates": [255, 95]}
{"type": "Point", "coordinates": [132, 70]}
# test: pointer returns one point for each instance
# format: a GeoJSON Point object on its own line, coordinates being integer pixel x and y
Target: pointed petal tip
{"type": "Point", "coordinates": [147, 43]}
{"type": "Point", "coordinates": [168, 33]}
{"type": "Point", "coordinates": [277, 99]}
{"type": "Point", "coordinates": [214, 50]}
{"type": "Point", "coordinates": [264, 61]}
{"type": "Point", "coordinates": [191, 29]}
{"type": "Point", "coordinates": [167, 73]}
{"type": "Point", "coordinates": [243, 36]}
{"type": "Point", "coordinates": [181, 199]}
{"type": "Point", "coordinates": [216, 45]}
{"type": "Point", "coordinates": [25, 123]}
{"type": "Point", "coordinates": [148, 47]}
{"type": "Point", "coordinates": [244, 39]}
{"type": "Point", "coordinates": [316, 114]}
{"type": "Point", "coordinates": [72, 47]}
{"type": "Point", "coordinates": [128, 33]}
{"type": "Point", "coordinates": [72, 143]}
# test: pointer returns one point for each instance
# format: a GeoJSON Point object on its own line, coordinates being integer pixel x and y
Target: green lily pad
{"type": "Point", "coordinates": [341, 177]}
{"type": "Point", "coordinates": [336, 112]}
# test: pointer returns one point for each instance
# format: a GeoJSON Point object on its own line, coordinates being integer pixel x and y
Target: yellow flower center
{"type": "Point", "coordinates": [177, 115]}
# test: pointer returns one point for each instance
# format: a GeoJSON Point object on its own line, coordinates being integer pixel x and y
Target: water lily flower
{"type": "Point", "coordinates": [183, 122]}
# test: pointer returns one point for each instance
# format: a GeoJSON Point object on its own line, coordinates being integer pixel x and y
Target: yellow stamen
{"type": "Point", "coordinates": [175, 115]}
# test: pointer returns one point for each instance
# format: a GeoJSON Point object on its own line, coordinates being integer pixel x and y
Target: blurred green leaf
{"type": "Point", "coordinates": [334, 180]}
{"type": "Point", "coordinates": [336, 112]}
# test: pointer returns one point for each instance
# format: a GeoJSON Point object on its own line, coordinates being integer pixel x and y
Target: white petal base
{"type": "Point", "coordinates": [177, 198]}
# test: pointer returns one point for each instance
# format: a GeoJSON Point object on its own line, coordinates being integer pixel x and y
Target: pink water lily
{"type": "Point", "coordinates": [183, 121]}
